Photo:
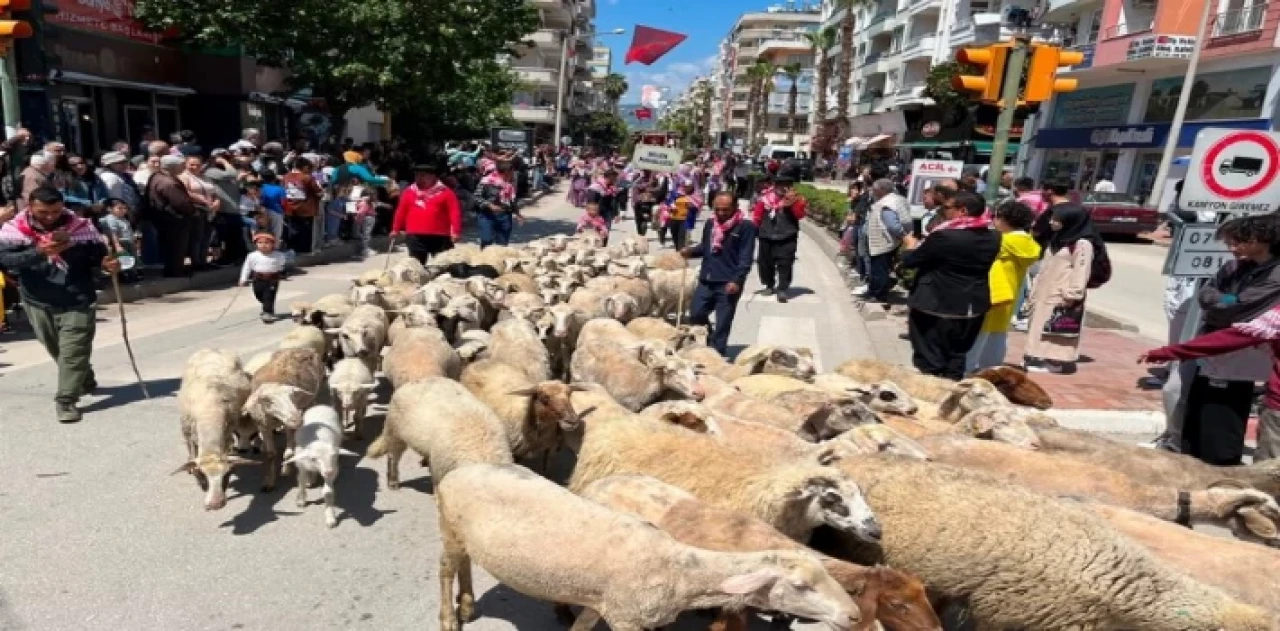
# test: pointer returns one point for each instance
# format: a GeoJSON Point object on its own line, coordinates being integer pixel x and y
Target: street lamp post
{"type": "Point", "coordinates": [562, 80]}
{"type": "Point", "coordinates": [1175, 127]}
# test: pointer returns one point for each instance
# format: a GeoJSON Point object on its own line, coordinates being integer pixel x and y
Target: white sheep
{"type": "Point", "coordinates": [561, 339]}
{"type": "Point", "coordinates": [780, 360]}
{"type": "Point", "coordinates": [667, 288]}
{"type": "Point", "coordinates": [636, 377]}
{"type": "Point", "coordinates": [516, 342]}
{"type": "Point", "coordinates": [447, 425]}
{"type": "Point", "coordinates": [213, 391]}
{"type": "Point", "coordinates": [367, 295]}
{"type": "Point", "coordinates": [334, 307]}
{"type": "Point", "coordinates": [610, 330]}
{"type": "Point", "coordinates": [411, 317]}
{"type": "Point", "coordinates": [307, 336]}
{"type": "Point", "coordinates": [363, 334]}
{"type": "Point", "coordinates": [408, 270]}
{"type": "Point", "coordinates": [472, 346]}
{"type": "Point", "coordinates": [319, 445]}
{"type": "Point", "coordinates": [421, 353]}
{"type": "Point", "coordinates": [547, 543]}
{"type": "Point", "coordinates": [280, 392]}
{"type": "Point", "coordinates": [351, 384]}
{"type": "Point", "coordinates": [649, 328]}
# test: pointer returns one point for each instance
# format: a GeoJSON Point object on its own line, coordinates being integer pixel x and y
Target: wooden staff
{"type": "Point", "coordinates": [391, 247]}
{"type": "Point", "coordinates": [684, 275]}
{"type": "Point", "coordinates": [124, 333]}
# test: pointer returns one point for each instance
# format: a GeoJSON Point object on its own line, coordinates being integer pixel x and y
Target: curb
{"type": "Point", "coordinates": [1111, 421]}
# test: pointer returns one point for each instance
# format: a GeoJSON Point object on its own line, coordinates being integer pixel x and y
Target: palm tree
{"type": "Point", "coordinates": [615, 85]}
{"type": "Point", "coordinates": [846, 55]}
{"type": "Point", "coordinates": [704, 110]}
{"type": "Point", "coordinates": [764, 72]}
{"type": "Point", "coordinates": [821, 40]}
{"type": "Point", "coordinates": [792, 71]}
{"type": "Point", "coordinates": [751, 79]}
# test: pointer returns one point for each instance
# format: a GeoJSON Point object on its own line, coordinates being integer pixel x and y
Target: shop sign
{"type": "Point", "coordinates": [1160, 47]}
{"type": "Point", "coordinates": [886, 123]}
{"type": "Point", "coordinates": [1133, 136]}
{"type": "Point", "coordinates": [1117, 136]}
{"type": "Point", "coordinates": [512, 139]}
{"type": "Point", "coordinates": [111, 17]}
{"type": "Point", "coordinates": [926, 173]}
{"type": "Point", "coordinates": [1107, 105]}
{"type": "Point", "coordinates": [1214, 95]}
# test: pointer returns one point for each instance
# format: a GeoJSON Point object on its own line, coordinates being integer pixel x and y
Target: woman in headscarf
{"type": "Point", "coordinates": [497, 205]}
{"type": "Point", "coordinates": [1057, 300]}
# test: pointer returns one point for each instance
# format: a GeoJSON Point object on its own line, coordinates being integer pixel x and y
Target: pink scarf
{"type": "Point", "coordinates": [1263, 327]}
{"type": "Point", "coordinates": [965, 223]}
{"type": "Point", "coordinates": [422, 197]}
{"type": "Point", "coordinates": [771, 199]}
{"type": "Point", "coordinates": [719, 230]}
{"type": "Point", "coordinates": [603, 187]}
{"type": "Point", "coordinates": [506, 191]}
{"type": "Point", "coordinates": [596, 223]}
{"type": "Point", "coordinates": [21, 230]}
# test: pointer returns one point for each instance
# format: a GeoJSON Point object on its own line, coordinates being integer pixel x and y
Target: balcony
{"type": "Point", "coordinates": [540, 77]}
{"type": "Point", "coordinates": [919, 47]}
{"type": "Point", "coordinates": [532, 114]}
{"type": "Point", "coordinates": [879, 23]}
{"type": "Point", "coordinates": [909, 92]}
{"type": "Point", "coordinates": [783, 44]}
{"type": "Point", "coordinates": [546, 39]}
{"type": "Point", "coordinates": [963, 31]}
{"type": "Point", "coordinates": [1065, 10]}
{"type": "Point", "coordinates": [1240, 21]}
{"type": "Point", "coordinates": [917, 7]}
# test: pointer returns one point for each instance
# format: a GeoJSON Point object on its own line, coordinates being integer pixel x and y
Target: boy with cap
{"type": "Point", "coordinates": [264, 268]}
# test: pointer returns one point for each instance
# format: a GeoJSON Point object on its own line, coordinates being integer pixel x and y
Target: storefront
{"type": "Point", "coordinates": [957, 134]}
{"type": "Point", "coordinates": [1089, 136]}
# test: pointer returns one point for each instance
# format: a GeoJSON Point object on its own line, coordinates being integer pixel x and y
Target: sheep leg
{"type": "Point", "coordinates": [395, 450]}
{"type": "Point", "coordinates": [272, 462]}
{"type": "Point", "coordinates": [330, 510]}
{"type": "Point", "coordinates": [588, 619]}
{"type": "Point", "coordinates": [453, 558]}
{"type": "Point", "coordinates": [304, 480]}
{"type": "Point", "coordinates": [466, 592]}
{"type": "Point", "coordinates": [290, 446]}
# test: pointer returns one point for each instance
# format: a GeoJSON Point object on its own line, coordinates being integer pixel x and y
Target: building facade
{"type": "Point", "coordinates": [776, 35]}
{"type": "Point", "coordinates": [1116, 124]}
{"type": "Point", "coordinates": [601, 66]}
{"type": "Point", "coordinates": [566, 33]}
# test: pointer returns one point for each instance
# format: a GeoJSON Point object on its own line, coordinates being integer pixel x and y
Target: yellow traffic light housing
{"type": "Point", "coordinates": [1042, 76]}
{"type": "Point", "coordinates": [992, 59]}
{"type": "Point", "coordinates": [11, 29]}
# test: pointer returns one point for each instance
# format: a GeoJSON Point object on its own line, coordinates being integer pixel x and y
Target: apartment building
{"type": "Point", "coordinates": [566, 29]}
{"type": "Point", "coordinates": [601, 65]}
{"type": "Point", "coordinates": [1116, 124]}
{"type": "Point", "coordinates": [777, 35]}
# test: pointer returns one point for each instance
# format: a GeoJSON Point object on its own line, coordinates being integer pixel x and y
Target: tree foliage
{"type": "Point", "coordinates": [938, 84]}
{"type": "Point", "coordinates": [401, 55]}
{"type": "Point", "coordinates": [602, 128]}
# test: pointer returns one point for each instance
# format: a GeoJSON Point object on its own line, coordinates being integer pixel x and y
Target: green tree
{"type": "Point", "coordinates": [845, 74]}
{"type": "Point", "coordinates": [602, 128]}
{"type": "Point", "coordinates": [764, 71]}
{"type": "Point", "coordinates": [615, 85]}
{"type": "Point", "coordinates": [792, 71]}
{"type": "Point", "coordinates": [405, 56]}
{"type": "Point", "coordinates": [938, 84]}
{"type": "Point", "coordinates": [821, 40]}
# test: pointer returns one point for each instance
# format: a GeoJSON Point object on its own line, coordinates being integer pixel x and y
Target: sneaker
{"type": "Point", "coordinates": [782, 297]}
{"type": "Point", "coordinates": [268, 318]}
{"type": "Point", "coordinates": [1020, 325]}
{"type": "Point", "coordinates": [860, 291]}
{"type": "Point", "coordinates": [767, 291]}
{"type": "Point", "coordinates": [68, 413]}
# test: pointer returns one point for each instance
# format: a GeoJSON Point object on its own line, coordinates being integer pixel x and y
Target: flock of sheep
{"type": "Point", "coordinates": [868, 497]}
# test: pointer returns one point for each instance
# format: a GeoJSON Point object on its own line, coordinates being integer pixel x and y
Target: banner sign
{"type": "Point", "coordinates": [113, 17]}
{"type": "Point", "coordinates": [657, 158]}
{"type": "Point", "coordinates": [516, 139]}
{"type": "Point", "coordinates": [926, 173]}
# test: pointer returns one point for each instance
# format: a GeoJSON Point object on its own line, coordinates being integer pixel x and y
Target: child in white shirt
{"type": "Point", "coordinates": [264, 267]}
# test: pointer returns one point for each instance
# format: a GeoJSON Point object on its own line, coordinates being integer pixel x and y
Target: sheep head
{"type": "Point", "coordinates": [677, 375]}
{"type": "Point", "coordinates": [551, 406]}
{"type": "Point", "coordinates": [691, 336]}
{"type": "Point", "coordinates": [969, 395]}
{"type": "Point", "coordinates": [902, 602]}
{"type": "Point", "coordinates": [298, 311]}
{"type": "Point", "coordinates": [836, 501]}
{"type": "Point", "coordinates": [472, 344]}
{"type": "Point", "coordinates": [692, 416]}
{"type": "Point", "coordinates": [366, 295]}
{"type": "Point", "coordinates": [796, 363]}
{"type": "Point", "coordinates": [212, 473]}
{"type": "Point", "coordinates": [417, 316]}
{"type": "Point", "coordinates": [886, 396]}
{"type": "Point", "coordinates": [1017, 386]}
{"type": "Point", "coordinates": [352, 397]}
{"type": "Point", "coordinates": [875, 439]}
{"type": "Point", "coordinates": [998, 423]}
{"type": "Point", "coordinates": [275, 404]}
{"type": "Point", "coordinates": [621, 307]}
{"type": "Point", "coordinates": [795, 582]}
{"type": "Point", "coordinates": [564, 318]}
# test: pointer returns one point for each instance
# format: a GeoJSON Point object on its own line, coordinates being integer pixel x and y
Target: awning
{"type": "Point", "coordinates": [879, 139]}
{"type": "Point", "coordinates": [90, 79]}
{"type": "Point", "coordinates": [984, 147]}
{"type": "Point", "coordinates": [854, 141]}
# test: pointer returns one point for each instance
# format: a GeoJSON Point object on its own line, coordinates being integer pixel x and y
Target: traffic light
{"type": "Point", "coordinates": [1042, 76]}
{"type": "Point", "coordinates": [11, 29]}
{"type": "Point", "coordinates": [992, 58]}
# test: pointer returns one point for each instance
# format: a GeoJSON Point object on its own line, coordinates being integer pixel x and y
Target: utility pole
{"type": "Point", "coordinates": [9, 94]}
{"type": "Point", "coordinates": [564, 61]}
{"type": "Point", "coordinates": [1175, 127]}
{"type": "Point", "coordinates": [1009, 95]}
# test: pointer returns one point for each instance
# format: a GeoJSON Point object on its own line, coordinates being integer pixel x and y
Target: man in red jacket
{"type": "Point", "coordinates": [429, 215]}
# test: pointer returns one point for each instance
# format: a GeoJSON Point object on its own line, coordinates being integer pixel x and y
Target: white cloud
{"type": "Point", "coordinates": [675, 77]}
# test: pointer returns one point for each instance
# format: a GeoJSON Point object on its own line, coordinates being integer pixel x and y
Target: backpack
{"type": "Point", "coordinates": [1100, 267]}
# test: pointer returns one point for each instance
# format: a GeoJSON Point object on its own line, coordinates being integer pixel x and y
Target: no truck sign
{"type": "Point", "coordinates": [1234, 171]}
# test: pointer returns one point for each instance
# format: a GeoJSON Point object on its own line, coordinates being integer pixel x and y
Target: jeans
{"type": "Point", "coordinates": [711, 298]}
{"type": "Point", "coordinates": [495, 228]}
{"type": "Point", "coordinates": [151, 253]}
{"type": "Point", "coordinates": [333, 215]}
{"type": "Point", "coordinates": [67, 335]}
{"type": "Point", "coordinates": [1177, 386]}
{"type": "Point", "coordinates": [265, 291]}
{"type": "Point", "coordinates": [198, 240]}
{"type": "Point", "coordinates": [364, 229]}
{"type": "Point", "coordinates": [878, 282]}
{"type": "Point", "coordinates": [988, 351]}
{"type": "Point", "coordinates": [644, 214]}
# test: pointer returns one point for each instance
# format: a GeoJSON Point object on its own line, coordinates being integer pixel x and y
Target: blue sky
{"type": "Point", "coordinates": [706, 22]}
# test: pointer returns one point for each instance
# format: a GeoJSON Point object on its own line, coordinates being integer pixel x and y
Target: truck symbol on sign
{"type": "Point", "coordinates": [1241, 164]}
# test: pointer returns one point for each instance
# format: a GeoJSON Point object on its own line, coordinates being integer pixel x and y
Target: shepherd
{"type": "Point", "coordinates": [57, 257]}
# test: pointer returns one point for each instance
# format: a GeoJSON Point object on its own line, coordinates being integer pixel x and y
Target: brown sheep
{"type": "Point", "coordinates": [533, 414]}
{"type": "Point", "coordinates": [1016, 386]}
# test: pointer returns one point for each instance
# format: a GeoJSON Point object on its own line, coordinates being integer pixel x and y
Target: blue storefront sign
{"type": "Point", "coordinates": [1135, 136]}
{"type": "Point", "coordinates": [1108, 105]}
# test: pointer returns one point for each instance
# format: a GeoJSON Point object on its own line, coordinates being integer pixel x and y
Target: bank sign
{"type": "Point", "coordinates": [1134, 136]}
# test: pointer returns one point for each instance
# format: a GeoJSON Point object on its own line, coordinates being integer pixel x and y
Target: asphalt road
{"type": "Point", "coordinates": [97, 533]}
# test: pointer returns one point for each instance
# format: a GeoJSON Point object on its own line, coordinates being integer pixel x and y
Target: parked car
{"type": "Point", "coordinates": [801, 167]}
{"type": "Point", "coordinates": [1120, 214]}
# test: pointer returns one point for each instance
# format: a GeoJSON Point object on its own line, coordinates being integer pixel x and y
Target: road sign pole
{"type": "Point", "coordinates": [1000, 145]}
{"type": "Point", "coordinates": [1175, 127]}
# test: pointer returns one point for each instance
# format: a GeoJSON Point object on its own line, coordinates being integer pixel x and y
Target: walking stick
{"type": "Point", "coordinates": [391, 247]}
{"type": "Point", "coordinates": [684, 274]}
{"type": "Point", "coordinates": [239, 290]}
{"type": "Point", "coordinates": [124, 333]}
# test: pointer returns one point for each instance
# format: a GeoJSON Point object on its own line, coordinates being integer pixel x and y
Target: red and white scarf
{"type": "Point", "coordinates": [424, 196]}
{"type": "Point", "coordinates": [21, 230]}
{"type": "Point", "coordinates": [506, 190]}
{"type": "Point", "coordinates": [719, 229]}
{"type": "Point", "coordinates": [603, 187]}
{"type": "Point", "coordinates": [1263, 327]}
{"type": "Point", "coordinates": [596, 223]}
{"type": "Point", "coordinates": [965, 222]}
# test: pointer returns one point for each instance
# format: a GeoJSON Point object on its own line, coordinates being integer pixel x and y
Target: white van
{"type": "Point", "coordinates": [780, 153]}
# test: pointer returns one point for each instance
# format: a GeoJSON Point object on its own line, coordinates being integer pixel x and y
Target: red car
{"type": "Point", "coordinates": [1120, 214]}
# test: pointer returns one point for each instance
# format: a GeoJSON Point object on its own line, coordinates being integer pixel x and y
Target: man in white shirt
{"type": "Point", "coordinates": [1104, 186]}
{"type": "Point", "coordinates": [156, 150]}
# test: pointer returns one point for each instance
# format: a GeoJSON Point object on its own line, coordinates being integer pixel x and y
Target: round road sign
{"type": "Point", "coordinates": [1240, 164]}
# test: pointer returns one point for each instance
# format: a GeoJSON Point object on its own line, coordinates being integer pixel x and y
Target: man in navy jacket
{"type": "Point", "coordinates": [728, 242]}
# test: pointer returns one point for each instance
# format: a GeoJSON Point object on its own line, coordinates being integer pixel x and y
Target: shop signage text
{"type": "Point", "coordinates": [1134, 136]}
{"type": "Point", "coordinates": [1122, 136]}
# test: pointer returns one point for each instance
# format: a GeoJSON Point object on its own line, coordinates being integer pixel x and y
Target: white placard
{"type": "Point", "coordinates": [926, 173]}
{"type": "Point", "coordinates": [655, 158]}
{"type": "Point", "coordinates": [1196, 253]}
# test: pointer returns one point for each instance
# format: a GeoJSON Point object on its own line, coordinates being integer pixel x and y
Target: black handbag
{"type": "Point", "coordinates": [1066, 320]}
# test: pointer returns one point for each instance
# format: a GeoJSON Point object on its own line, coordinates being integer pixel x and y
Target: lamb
{"type": "Point", "coordinates": [1244, 570]}
{"type": "Point", "coordinates": [897, 599]}
{"type": "Point", "coordinates": [514, 525]}
{"type": "Point", "coordinates": [517, 343]}
{"type": "Point", "coordinates": [367, 295]}
{"type": "Point", "coordinates": [408, 270]}
{"type": "Point", "coordinates": [280, 391]}
{"type": "Point", "coordinates": [792, 496]}
{"type": "Point", "coordinates": [648, 328]}
{"type": "Point", "coordinates": [411, 317]}
{"type": "Point", "coordinates": [334, 307]}
{"type": "Point", "coordinates": [668, 285]}
{"type": "Point", "coordinates": [726, 399]}
{"type": "Point", "coordinates": [881, 396]}
{"type": "Point", "coordinates": [566, 324]}
{"type": "Point", "coordinates": [307, 336]}
{"type": "Point", "coordinates": [534, 414]}
{"type": "Point", "coordinates": [993, 549]}
{"type": "Point", "coordinates": [780, 360]}
{"type": "Point", "coordinates": [319, 445]}
{"type": "Point", "coordinates": [351, 383]}
{"type": "Point", "coordinates": [1016, 386]}
{"type": "Point", "coordinates": [214, 389]}
{"type": "Point", "coordinates": [634, 379]}
{"type": "Point", "coordinates": [363, 334]}
{"type": "Point", "coordinates": [495, 256]}
{"type": "Point", "coordinates": [421, 354]}
{"type": "Point", "coordinates": [443, 422]}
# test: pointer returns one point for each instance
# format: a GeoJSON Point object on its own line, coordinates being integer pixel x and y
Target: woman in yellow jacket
{"type": "Point", "coordinates": [1018, 252]}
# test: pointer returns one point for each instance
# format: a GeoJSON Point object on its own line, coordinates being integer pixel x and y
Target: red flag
{"type": "Point", "coordinates": [650, 44]}
{"type": "Point", "coordinates": [643, 113]}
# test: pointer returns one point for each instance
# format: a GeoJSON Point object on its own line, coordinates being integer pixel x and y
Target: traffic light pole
{"type": "Point", "coordinates": [1009, 96]}
{"type": "Point", "coordinates": [9, 92]}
